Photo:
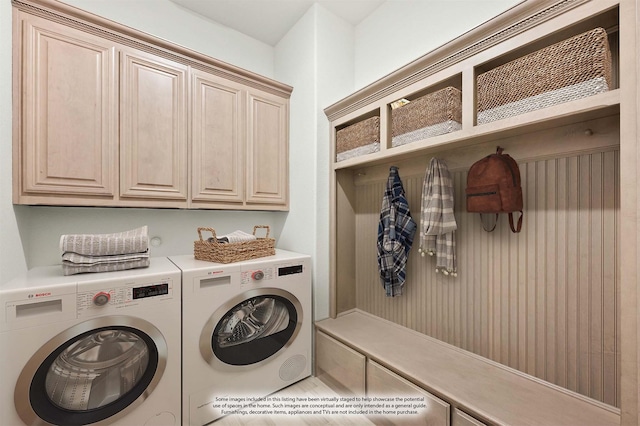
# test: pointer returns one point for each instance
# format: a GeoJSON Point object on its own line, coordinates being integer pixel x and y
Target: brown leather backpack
{"type": "Point", "coordinates": [493, 186]}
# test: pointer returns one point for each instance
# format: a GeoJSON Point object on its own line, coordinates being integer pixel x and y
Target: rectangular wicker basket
{"type": "Point", "coordinates": [431, 115]}
{"type": "Point", "coordinates": [358, 139]}
{"type": "Point", "coordinates": [213, 251]}
{"type": "Point", "coordinates": [571, 69]}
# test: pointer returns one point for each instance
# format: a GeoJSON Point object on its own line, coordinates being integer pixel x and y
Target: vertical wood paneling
{"type": "Point", "coordinates": [544, 301]}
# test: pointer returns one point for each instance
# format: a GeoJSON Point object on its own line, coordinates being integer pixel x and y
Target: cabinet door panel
{"type": "Point", "coordinates": [69, 109]}
{"type": "Point", "coordinates": [267, 156]}
{"type": "Point", "coordinates": [383, 382]}
{"type": "Point", "coordinates": [153, 119]}
{"type": "Point", "coordinates": [218, 139]}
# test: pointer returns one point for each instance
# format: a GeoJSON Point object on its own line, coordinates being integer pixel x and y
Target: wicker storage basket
{"type": "Point", "coordinates": [213, 251]}
{"type": "Point", "coordinates": [431, 115]}
{"type": "Point", "coordinates": [358, 139]}
{"type": "Point", "coordinates": [571, 69]}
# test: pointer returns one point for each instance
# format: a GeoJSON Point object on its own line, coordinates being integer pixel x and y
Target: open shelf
{"type": "Point", "coordinates": [597, 106]}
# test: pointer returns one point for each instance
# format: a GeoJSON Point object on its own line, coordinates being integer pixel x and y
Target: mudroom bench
{"type": "Point", "coordinates": [361, 354]}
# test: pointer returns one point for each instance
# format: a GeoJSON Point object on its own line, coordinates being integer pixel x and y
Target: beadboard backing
{"type": "Point", "coordinates": [545, 301]}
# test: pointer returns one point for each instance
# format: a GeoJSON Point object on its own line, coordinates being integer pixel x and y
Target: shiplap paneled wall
{"type": "Point", "coordinates": [545, 301]}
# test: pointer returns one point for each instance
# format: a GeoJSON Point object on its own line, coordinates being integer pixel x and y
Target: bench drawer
{"type": "Point", "coordinates": [382, 382]}
{"type": "Point", "coordinates": [339, 366]}
{"type": "Point", "coordinates": [460, 418]}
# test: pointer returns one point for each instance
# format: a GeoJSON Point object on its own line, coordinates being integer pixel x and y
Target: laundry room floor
{"type": "Point", "coordinates": [311, 386]}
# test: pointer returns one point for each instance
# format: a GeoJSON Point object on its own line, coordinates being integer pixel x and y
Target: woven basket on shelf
{"type": "Point", "coordinates": [431, 115]}
{"type": "Point", "coordinates": [214, 251]}
{"type": "Point", "coordinates": [358, 139]}
{"type": "Point", "coordinates": [571, 69]}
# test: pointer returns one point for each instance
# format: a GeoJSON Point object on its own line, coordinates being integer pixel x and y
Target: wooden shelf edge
{"type": "Point", "coordinates": [596, 106]}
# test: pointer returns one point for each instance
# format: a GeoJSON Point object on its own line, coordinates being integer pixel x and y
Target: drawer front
{"type": "Point", "coordinates": [382, 382]}
{"type": "Point", "coordinates": [339, 366]}
{"type": "Point", "coordinates": [460, 418]}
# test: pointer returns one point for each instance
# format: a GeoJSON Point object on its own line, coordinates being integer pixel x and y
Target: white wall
{"type": "Point", "coordinates": [399, 32]}
{"type": "Point", "coordinates": [12, 259]}
{"type": "Point", "coordinates": [316, 58]}
{"type": "Point", "coordinates": [167, 20]}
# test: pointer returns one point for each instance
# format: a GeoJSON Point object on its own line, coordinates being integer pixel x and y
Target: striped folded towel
{"type": "Point", "coordinates": [105, 252]}
{"type": "Point", "coordinates": [70, 268]}
{"type": "Point", "coordinates": [133, 241]}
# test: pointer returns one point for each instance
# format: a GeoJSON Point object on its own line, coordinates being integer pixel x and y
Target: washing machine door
{"type": "Point", "coordinates": [251, 328]}
{"type": "Point", "coordinates": [97, 371]}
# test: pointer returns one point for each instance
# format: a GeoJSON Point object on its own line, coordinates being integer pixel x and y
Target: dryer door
{"type": "Point", "coordinates": [95, 371]}
{"type": "Point", "coordinates": [252, 327]}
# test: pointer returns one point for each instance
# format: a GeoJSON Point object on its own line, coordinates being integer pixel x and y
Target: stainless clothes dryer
{"type": "Point", "coordinates": [246, 330]}
{"type": "Point", "coordinates": [99, 348]}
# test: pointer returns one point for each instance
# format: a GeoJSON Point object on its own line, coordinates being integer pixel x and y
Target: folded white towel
{"type": "Point", "coordinates": [234, 237]}
{"type": "Point", "coordinates": [133, 241]}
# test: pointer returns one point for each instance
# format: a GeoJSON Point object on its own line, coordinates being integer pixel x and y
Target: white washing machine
{"type": "Point", "coordinates": [99, 348]}
{"type": "Point", "coordinates": [246, 329]}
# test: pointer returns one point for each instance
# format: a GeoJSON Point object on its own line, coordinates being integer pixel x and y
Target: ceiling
{"type": "Point", "coordinates": [269, 20]}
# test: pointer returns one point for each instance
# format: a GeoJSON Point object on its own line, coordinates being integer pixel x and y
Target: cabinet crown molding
{"type": "Point", "coordinates": [516, 20]}
{"type": "Point", "coordinates": [55, 10]}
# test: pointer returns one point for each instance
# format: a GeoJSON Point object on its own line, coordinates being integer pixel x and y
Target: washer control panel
{"type": "Point", "coordinates": [120, 297]}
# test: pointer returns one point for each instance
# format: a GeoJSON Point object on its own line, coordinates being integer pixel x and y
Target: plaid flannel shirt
{"type": "Point", "coordinates": [395, 235]}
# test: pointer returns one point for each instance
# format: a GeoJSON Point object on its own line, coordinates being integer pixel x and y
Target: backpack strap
{"type": "Point", "coordinates": [513, 229]}
{"type": "Point", "coordinates": [495, 222]}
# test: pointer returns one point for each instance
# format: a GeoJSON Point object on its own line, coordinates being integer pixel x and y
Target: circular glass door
{"type": "Point", "coordinates": [253, 327]}
{"type": "Point", "coordinates": [92, 376]}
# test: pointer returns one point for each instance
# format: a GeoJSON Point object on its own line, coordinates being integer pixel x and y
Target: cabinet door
{"type": "Point", "coordinates": [382, 382]}
{"type": "Point", "coordinates": [153, 129]}
{"type": "Point", "coordinates": [217, 139]}
{"type": "Point", "coordinates": [68, 111]}
{"type": "Point", "coordinates": [267, 149]}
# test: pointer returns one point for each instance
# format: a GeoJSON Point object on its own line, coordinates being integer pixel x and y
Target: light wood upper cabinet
{"type": "Point", "coordinates": [153, 127]}
{"type": "Point", "coordinates": [217, 139]}
{"type": "Point", "coordinates": [240, 145]}
{"type": "Point", "coordinates": [267, 156]}
{"type": "Point", "coordinates": [104, 115]}
{"type": "Point", "coordinates": [68, 112]}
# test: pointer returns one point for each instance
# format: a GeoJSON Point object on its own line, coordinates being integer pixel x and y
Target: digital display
{"type": "Point", "coordinates": [289, 270]}
{"type": "Point", "coordinates": [150, 291]}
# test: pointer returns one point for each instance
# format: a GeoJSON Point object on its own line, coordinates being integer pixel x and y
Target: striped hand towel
{"type": "Point", "coordinates": [133, 241]}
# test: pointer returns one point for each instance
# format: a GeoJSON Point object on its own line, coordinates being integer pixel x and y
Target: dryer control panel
{"type": "Point", "coordinates": [258, 274]}
{"type": "Point", "coordinates": [270, 272]}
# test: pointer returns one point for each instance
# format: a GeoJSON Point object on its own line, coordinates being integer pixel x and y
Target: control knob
{"type": "Point", "coordinates": [101, 298]}
{"type": "Point", "coordinates": [257, 275]}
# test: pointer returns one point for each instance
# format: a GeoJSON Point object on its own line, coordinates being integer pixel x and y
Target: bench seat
{"type": "Point", "coordinates": [492, 392]}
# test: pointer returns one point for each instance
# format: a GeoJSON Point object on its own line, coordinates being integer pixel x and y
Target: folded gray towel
{"type": "Point", "coordinates": [133, 241]}
{"type": "Point", "coordinates": [69, 268]}
{"type": "Point", "coordinates": [82, 260]}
